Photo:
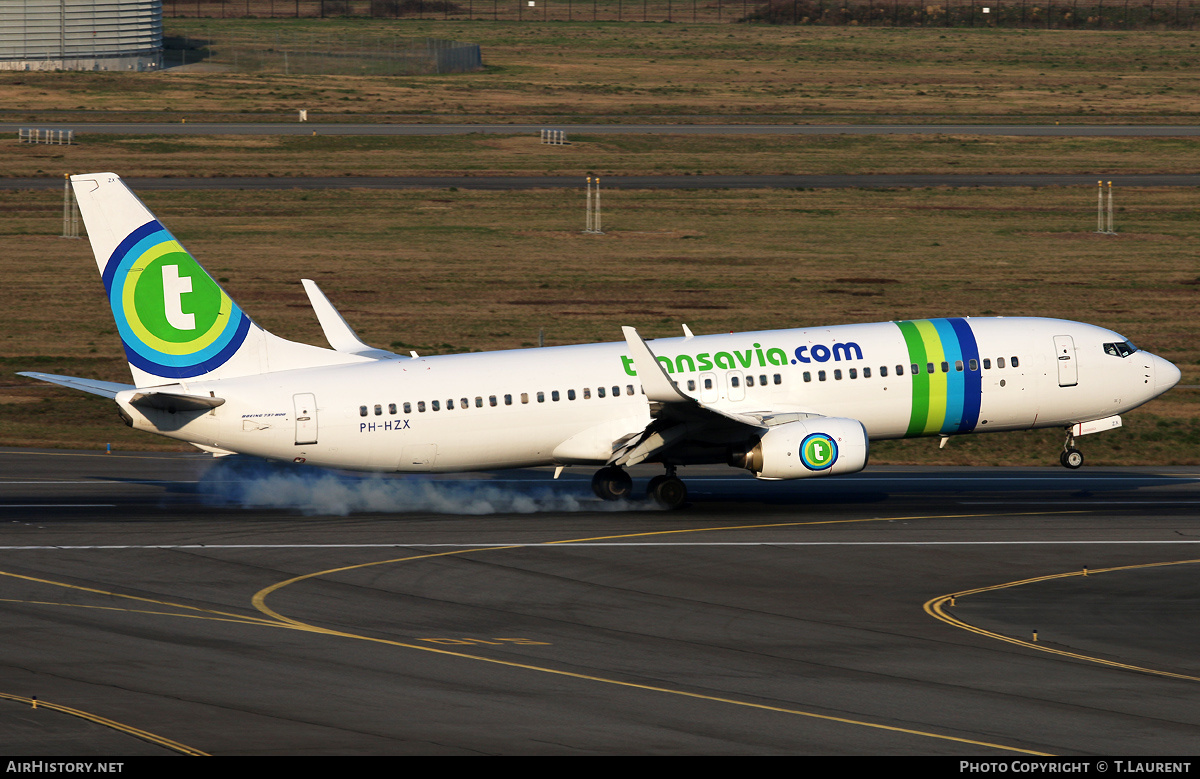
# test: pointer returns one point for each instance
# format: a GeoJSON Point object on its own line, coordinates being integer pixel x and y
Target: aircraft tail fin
{"type": "Point", "coordinates": [175, 321]}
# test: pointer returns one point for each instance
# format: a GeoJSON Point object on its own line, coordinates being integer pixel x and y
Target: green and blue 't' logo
{"type": "Point", "coordinates": [818, 451]}
{"type": "Point", "coordinates": [173, 319]}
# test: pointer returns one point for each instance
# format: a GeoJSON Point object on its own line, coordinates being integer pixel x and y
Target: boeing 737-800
{"type": "Point", "coordinates": [784, 404]}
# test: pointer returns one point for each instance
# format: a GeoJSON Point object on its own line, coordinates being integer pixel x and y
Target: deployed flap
{"type": "Point", "coordinates": [108, 389]}
{"type": "Point", "coordinates": [339, 334]}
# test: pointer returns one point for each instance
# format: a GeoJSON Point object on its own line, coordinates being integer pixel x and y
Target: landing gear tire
{"type": "Point", "coordinates": [612, 483]}
{"type": "Point", "coordinates": [1071, 458]}
{"type": "Point", "coordinates": [667, 491]}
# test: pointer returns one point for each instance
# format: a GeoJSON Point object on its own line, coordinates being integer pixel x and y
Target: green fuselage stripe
{"type": "Point", "coordinates": [937, 381]}
{"type": "Point", "coordinates": [920, 379]}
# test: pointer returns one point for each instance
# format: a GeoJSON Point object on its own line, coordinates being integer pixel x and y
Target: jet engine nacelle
{"type": "Point", "coordinates": [822, 446]}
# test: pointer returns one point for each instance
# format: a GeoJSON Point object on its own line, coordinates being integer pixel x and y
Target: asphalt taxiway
{"type": "Point", "coordinates": [229, 608]}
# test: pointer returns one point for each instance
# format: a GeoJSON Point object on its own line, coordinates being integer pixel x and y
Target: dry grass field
{"type": "Point", "coordinates": [467, 270]}
{"type": "Point", "coordinates": [582, 71]}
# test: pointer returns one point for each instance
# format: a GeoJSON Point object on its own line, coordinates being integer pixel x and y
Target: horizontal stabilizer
{"type": "Point", "coordinates": [108, 389]}
{"type": "Point", "coordinates": [339, 334]}
{"type": "Point", "coordinates": [175, 401]}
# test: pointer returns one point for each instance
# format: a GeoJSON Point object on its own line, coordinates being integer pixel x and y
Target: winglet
{"type": "Point", "coordinates": [339, 334]}
{"type": "Point", "coordinates": [658, 385]}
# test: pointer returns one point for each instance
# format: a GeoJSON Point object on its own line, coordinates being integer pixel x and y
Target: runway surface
{"type": "Point", "coordinates": [634, 182]}
{"type": "Point", "coordinates": [749, 128]}
{"type": "Point", "coordinates": [231, 608]}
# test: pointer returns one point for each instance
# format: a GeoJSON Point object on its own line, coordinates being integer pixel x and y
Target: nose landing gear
{"type": "Point", "coordinates": [1071, 457]}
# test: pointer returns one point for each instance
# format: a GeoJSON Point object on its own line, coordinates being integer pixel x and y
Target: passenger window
{"type": "Point", "coordinates": [762, 380]}
{"type": "Point", "coordinates": [999, 362]}
{"type": "Point", "coordinates": [1014, 361]}
{"type": "Point", "coordinates": [435, 405]}
{"type": "Point", "coordinates": [866, 373]}
{"type": "Point", "coordinates": [628, 389]}
{"type": "Point", "coordinates": [808, 375]}
{"type": "Point", "coordinates": [479, 402]}
{"type": "Point", "coordinates": [974, 365]}
{"type": "Point", "coordinates": [554, 395]}
{"type": "Point", "coordinates": [599, 392]}
{"type": "Point", "coordinates": [779, 378]}
{"type": "Point", "coordinates": [616, 391]}
{"type": "Point", "coordinates": [945, 367]}
{"type": "Point", "coordinates": [691, 385]}
{"type": "Point", "coordinates": [837, 374]}
{"type": "Point", "coordinates": [958, 366]}
{"type": "Point", "coordinates": [541, 397]}
{"type": "Point", "coordinates": [362, 411]}
{"type": "Point", "coordinates": [914, 369]}
{"type": "Point", "coordinates": [450, 404]}
{"type": "Point", "coordinates": [883, 371]}
{"type": "Point", "coordinates": [708, 383]}
{"type": "Point", "coordinates": [378, 410]}
{"type": "Point", "coordinates": [524, 397]}
{"type": "Point", "coordinates": [407, 407]}
{"type": "Point", "coordinates": [733, 381]}
{"type": "Point", "coordinates": [421, 406]}
{"type": "Point", "coordinates": [464, 404]}
{"type": "Point", "coordinates": [854, 373]}
{"type": "Point", "coordinates": [987, 363]}
{"type": "Point", "coordinates": [749, 381]}
{"type": "Point", "coordinates": [491, 400]}
{"type": "Point", "coordinates": [508, 400]}
{"type": "Point", "coordinates": [587, 393]}
{"type": "Point", "coordinates": [570, 394]}
{"type": "Point", "coordinates": [900, 370]}
{"type": "Point", "coordinates": [820, 375]}
{"type": "Point", "coordinates": [929, 368]}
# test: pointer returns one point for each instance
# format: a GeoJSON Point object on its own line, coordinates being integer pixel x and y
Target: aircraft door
{"type": "Point", "coordinates": [306, 418]}
{"type": "Point", "coordinates": [1068, 370]}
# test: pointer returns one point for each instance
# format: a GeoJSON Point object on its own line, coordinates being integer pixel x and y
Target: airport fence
{"type": "Point", "coordinates": [1049, 14]}
{"type": "Point", "coordinates": [286, 53]}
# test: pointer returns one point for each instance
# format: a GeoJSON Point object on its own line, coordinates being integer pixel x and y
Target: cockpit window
{"type": "Point", "coordinates": [1120, 349]}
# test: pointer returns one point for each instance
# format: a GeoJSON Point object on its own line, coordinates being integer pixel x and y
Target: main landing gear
{"type": "Point", "coordinates": [1071, 457]}
{"type": "Point", "coordinates": [667, 490]}
{"type": "Point", "coordinates": [613, 483]}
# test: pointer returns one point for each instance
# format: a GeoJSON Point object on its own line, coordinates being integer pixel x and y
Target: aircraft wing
{"type": "Point", "coordinates": [108, 389]}
{"type": "Point", "coordinates": [679, 419]}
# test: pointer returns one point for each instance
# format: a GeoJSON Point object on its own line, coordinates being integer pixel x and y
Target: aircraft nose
{"type": "Point", "coordinates": [1166, 375]}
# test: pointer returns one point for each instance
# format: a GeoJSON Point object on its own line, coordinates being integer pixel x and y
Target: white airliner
{"type": "Point", "coordinates": [784, 404]}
